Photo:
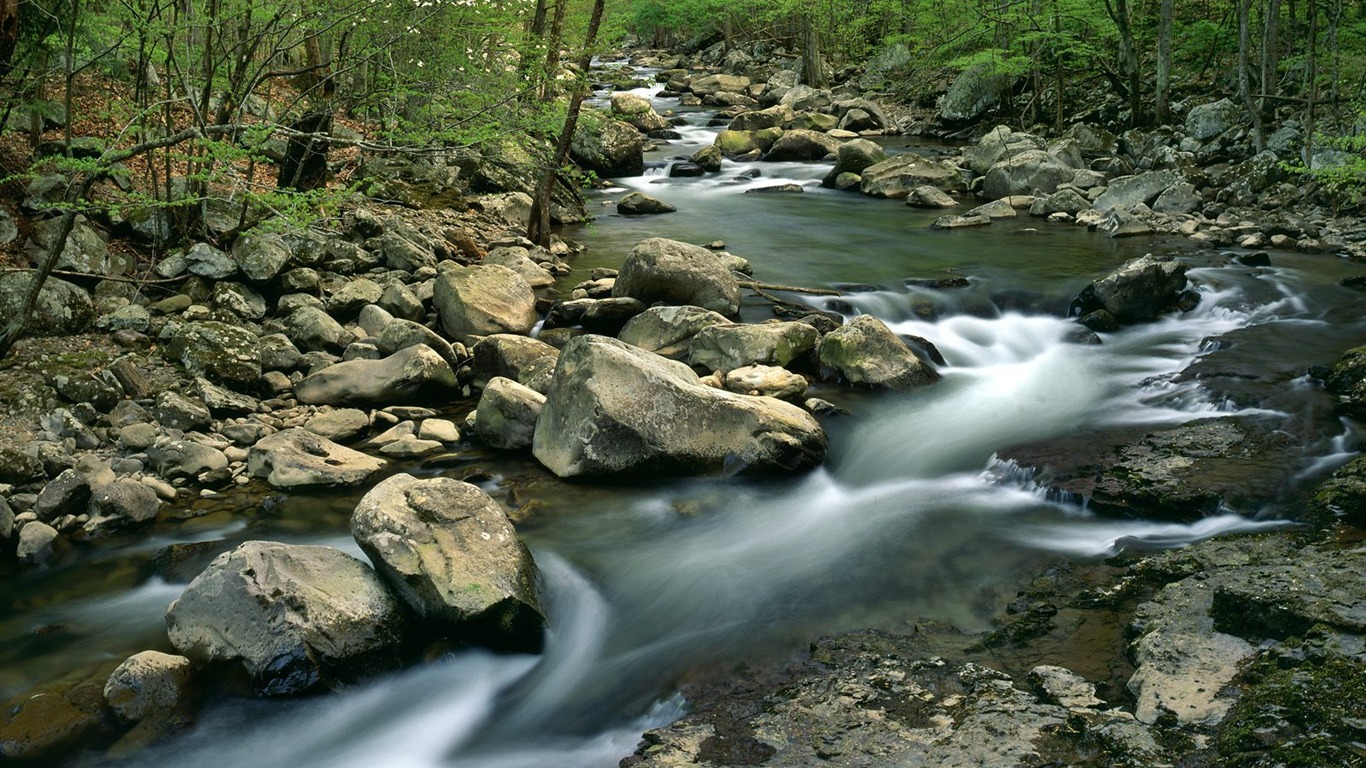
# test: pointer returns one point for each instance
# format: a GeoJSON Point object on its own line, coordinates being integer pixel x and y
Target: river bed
{"type": "Point", "coordinates": [912, 517]}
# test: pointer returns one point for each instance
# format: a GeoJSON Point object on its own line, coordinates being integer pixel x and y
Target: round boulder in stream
{"type": "Point", "coordinates": [449, 553]}
{"type": "Point", "coordinates": [613, 408]}
{"type": "Point", "coordinates": [411, 373]}
{"type": "Point", "coordinates": [1136, 292]}
{"type": "Point", "coordinates": [294, 616]}
{"type": "Point", "coordinates": [482, 300]}
{"type": "Point", "coordinates": [867, 352]}
{"type": "Point", "coordinates": [670, 272]}
{"type": "Point", "coordinates": [297, 457]}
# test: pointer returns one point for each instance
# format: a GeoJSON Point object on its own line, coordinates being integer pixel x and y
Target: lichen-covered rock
{"type": "Point", "coordinates": [1144, 188]}
{"type": "Point", "coordinates": [295, 617]}
{"type": "Point", "coordinates": [735, 345]}
{"type": "Point", "coordinates": [483, 300]}
{"type": "Point", "coordinates": [877, 699]}
{"type": "Point", "coordinates": [1193, 470]}
{"type": "Point", "coordinates": [669, 331]}
{"type": "Point", "coordinates": [506, 415]}
{"type": "Point", "coordinates": [613, 408]}
{"type": "Point", "coordinates": [261, 255]}
{"type": "Point", "coordinates": [1026, 173]}
{"type": "Point", "coordinates": [148, 684]}
{"type": "Point", "coordinates": [415, 373]}
{"type": "Point", "coordinates": [866, 352]}
{"type": "Point", "coordinates": [313, 330]}
{"type": "Point", "coordinates": [218, 351]}
{"type": "Point", "coordinates": [1347, 380]}
{"type": "Point", "coordinates": [607, 147]}
{"type": "Point", "coordinates": [765, 381]}
{"type": "Point", "coordinates": [1206, 121]}
{"type": "Point", "coordinates": [978, 89]}
{"type": "Point", "coordinates": [450, 554]}
{"type": "Point", "coordinates": [641, 204]}
{"type": "Point", "coordinates": [62, 308]}
{"type": "Point", "coordinates": [670, 272]}
{"type": "Point", "coordinates": [1343, 495]}
{"type": "Point", "coordinates": [802, 146]}
{"type": "Point", "coordinates": [854, 157]}
{"type": "Point", "coordinates": [525, 360]}
{"type": "Point", "coordinates": [296, 457]}
{"type": "Point", "coordinates": [1138, 291]}
{"type": "Point", "coordinates": [895, 177]}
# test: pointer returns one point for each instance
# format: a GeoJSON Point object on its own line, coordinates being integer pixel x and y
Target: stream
{"type": "Point", "coordinates": [912, 516]}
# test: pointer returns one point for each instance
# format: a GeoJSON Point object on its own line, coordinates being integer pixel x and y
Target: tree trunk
{"type": "Point", "coordinates": [1164, 62]}
{"type": "Point", "coordinates": [305, 164]}
{"type": "Point", "coordinates": [1270, 58]}
{"type": "Point", "coordinates": [813, 74]}
{"type": "Point", "coordinates": [1245, 73]}
{"type": "Point", "coordinates": [538, 227]}
{"type": "Point", "coordinates": [1311, 83]}
{"type": "Point", "coordinates": [1128, 56]}
{"type": "Point", "coordinates": [9, 34]}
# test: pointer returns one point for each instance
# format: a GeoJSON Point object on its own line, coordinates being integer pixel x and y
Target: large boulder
{"type": "Point", "coordinates": [449, 553]}
{"type": "Point", "coordinates": [670, 272]}
{"type": "Point", "coordinates": [866, 352]}
{"type": "Point", "coordinates": [84, 250]}
{"type": "Point", "coordinates": [296, 458]}
{"type": "Point", "coordinates": [978, 89]}
{"type": "Point", "coordinates": [527, 361]}
{"type": "Point", "coordinates": [613, 408]}
{"type": "Point", "coordinates": [313, 330]}
{"type": "Point", "coordinates": [218, 351]}
{"type": "Point", "coordinates": [507, 413]}
{"type": "Point", "coordinates": [62, 308]}
{"type": "Point", "coordinates": [637, 111]}
{"type": "Point", "coordinates": [729, 346]}
{"type": "Point", "coordinates": [710, 85]}
{"type": "Point", "coordinates": [897, 176]}
{"type": "Point", "coordinates": [996, 145]}
{"type": "Point", "coordinates": [854, 157]}
{"type": "Point", "coordinates": [261, 255]}
{"type": "Point", "coordinates": [482, 300]}
{"type": "Point", "coordinates": [1025, 173]}
{"type": "Point", "coordinates": [1136, 292]}
{"type": "Point", "coordinates": [758, 120]}
{"type": "Point", "coordinates": [640, 204]}
{"type": "Point", "coordinates": [1127, 192]}
{"type": "Point", "coordinates": [410, 374]}
{"type": "Point", "coordinates": [1347, 380]}
{"type": "Point", "coordinates": [294, 616]}
{"type": "Point", "coordinates": [609, 148]}
{"type": "Point", "coordinates": [802, 146]}
{"type": "Point", "coordinates": [668, 331]}
{"type": "Point", "coordinates": [1209, 120]}
{"type": "Point", "coordinates": [148, 684]}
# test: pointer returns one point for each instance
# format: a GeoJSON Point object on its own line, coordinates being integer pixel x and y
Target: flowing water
{"type": "Point", "coordinates": [913, 515]}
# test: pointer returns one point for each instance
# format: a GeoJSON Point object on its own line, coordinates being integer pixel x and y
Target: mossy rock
{"type": "Point", "coordinates": [1343, 495]}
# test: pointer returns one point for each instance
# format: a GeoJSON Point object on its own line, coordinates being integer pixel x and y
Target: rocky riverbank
{"type": "Point", "coordinates": [332, 357]}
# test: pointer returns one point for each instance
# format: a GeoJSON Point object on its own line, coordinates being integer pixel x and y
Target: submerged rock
{"type": "Point", "coordinates": [450, 554]}
{"type": "Point", "coordinates": [293, 616]}
{"type": "Point", "coordinates": [613, 408]}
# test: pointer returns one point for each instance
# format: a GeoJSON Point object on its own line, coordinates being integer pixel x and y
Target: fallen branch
{"type": "Point", "coordinates": [755, 286]}
{"type": "Point", "coordinates": [93, 276]}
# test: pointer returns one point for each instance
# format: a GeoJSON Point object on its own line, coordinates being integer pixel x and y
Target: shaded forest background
{"type": "Point", "coordinates": [183, 115]}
